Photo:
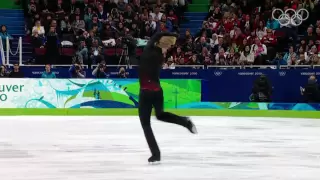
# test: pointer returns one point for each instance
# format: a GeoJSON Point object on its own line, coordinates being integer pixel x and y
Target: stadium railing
{"type": "Point", "coordinates": [5, 54]}
{"type": "Point", "coordinates": [191, 66]}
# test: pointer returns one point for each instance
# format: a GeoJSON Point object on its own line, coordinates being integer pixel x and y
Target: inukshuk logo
{"type": "Point", "coordinates": [5, 90]}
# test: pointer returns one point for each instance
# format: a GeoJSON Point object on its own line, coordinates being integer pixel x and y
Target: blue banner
{"type": "Point", "coordinates": [219, 85]}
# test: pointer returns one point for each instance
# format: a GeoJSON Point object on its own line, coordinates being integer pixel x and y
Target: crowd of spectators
{"type": "Point", "coordinates": [244, 33]}
{"type": "Point", "coordinates": [91, 26]}
{"type": "Point", "coordinates": [234, 32]}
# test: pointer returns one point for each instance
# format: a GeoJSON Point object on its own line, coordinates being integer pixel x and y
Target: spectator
{"type": "Point", "coordinates": [201, 44]}
{"type": "Point", "coordinates": [246, 57]}
{"type": "Point", "coordinates": [100, 71]}
{"type": "Point", "coordinates": [167, 23]}
{"type": "Point", "coordinates": [47, 73]}
{"type": "Point", "coordinates": [243, 44]}
{"type": "Point", "coordinates": [261, 30]}
{"type": "Point", "coordinates": [3, 72]}
{"type": "Point", "coordinates": [122, 73]}
{"type": "Point", "coordinates": [16, 73]}
{"type": "Point", "coordinates": [4, 35]}
{"type": "Point", "coordinates": [288, 55]}
{"type": "Point", "coordinates": [271, 42]}
{"type": "Point", "coordinates": [128, 15]}
{"type": "Point", "coordinates": [205, 57]}
{"type": "Point", "coordinates": [294, 61]}
{"type": "Point", "coordinates": [220, 45]}
{"type": "Point", "coordinates": [94, 23]}
{"type": "Point", "coordinates": [269, 39]}
{"type": "Point", "coordinates": [77, 71]}
{"type": "Point", "coordinates": [260, 51]}
{"type": "Point", "coordinates": [88, 15]}
{"type": "Point", "coordinates": [78, 25]}
{"type": "Point", "coordinates": [169, 64]}
{"type": "Point", "coordinates": [66, 27]}
{"type": "Point", "coordinates": [311, 91]}
{"type": "Point", "coordinates": [151, 23]}
{"type": "Point", "coordinates": [194, 60]}
{"type": "Point", "coordinates": [247, 25]}
{"type": "Point", "coordinates": [121, 5]}
{"type": "Point", "coordinates": [135, 31]}
{"type": "Point", "coordinates": [173, 17]}
{"type": "Point", "coordinates": [37, 41]}
{"type": "Point", "coordinates": [302, 52]}
{"type": "Point", "coordinates": [303, 61]}
{"type": "Point", "coordinates": [273, 24]}
{"type": "Point", "coordinates": [178, 56]}
{"type": "Point", "coordinates": [83, 52]}
{"type": "Point", "coordinates": [96, 51]}
{"type": "Point", "coordinates": [157, 14]}
{"type": "Point", "coordinates": [102, 16]}
{"type": "Point", "coordinates": [314, 57]}
{"type": "Point", "coordinates": [52, 53]}
{"type": "Point", "coordinates": [38, 28]}
{"type": "Point", "coordinates": [230, 55]}
{"type": "Point", "coordinates": [147, 32]}
{"type": "Point", "coordinates": [221, 55]}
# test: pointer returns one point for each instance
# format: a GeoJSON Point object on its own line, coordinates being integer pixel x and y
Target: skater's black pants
{"type": "Point", "coordinates": [147, 100]}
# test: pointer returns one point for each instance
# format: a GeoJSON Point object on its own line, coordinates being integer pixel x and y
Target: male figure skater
{"type": "Point", "coordinates": [151, 94]}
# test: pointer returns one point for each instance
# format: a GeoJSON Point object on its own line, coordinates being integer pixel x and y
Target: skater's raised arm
{"type": "Point", "coordinates": [152, 59]}
{"type": "Point", "coordinates": [161, 39]}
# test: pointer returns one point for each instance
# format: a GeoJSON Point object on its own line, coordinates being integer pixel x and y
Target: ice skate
{"type": "Point", "coordinates": [154, 160]}
{"type": "Point", "coordinates": [191, 127]}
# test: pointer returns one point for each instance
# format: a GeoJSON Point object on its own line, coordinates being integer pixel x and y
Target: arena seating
{"type": "Point", "coordinates": [201, 28]}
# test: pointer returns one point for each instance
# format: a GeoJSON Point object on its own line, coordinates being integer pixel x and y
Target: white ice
{"type": "Point", "coordinates": [114, 148]}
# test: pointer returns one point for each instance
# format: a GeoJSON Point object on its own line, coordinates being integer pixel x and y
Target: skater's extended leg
{"type": "Point", "coordinates": [170, 117]}
{"type": "Point", "coordinates": [145, 109]}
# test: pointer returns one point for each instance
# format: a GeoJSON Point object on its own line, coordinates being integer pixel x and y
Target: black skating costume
{"type": "Point", "coordinates": [151, 94]}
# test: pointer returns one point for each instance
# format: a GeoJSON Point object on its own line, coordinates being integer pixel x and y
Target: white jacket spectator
{"type": "Point", "coordinates": [157, 14]}
{"type": "Point", "coordinates": [152, 23]}
{"type": "Point", "coordinates": [247, 58]}
{"type": "Point", "coordinates": [220, 54]}
{"type": "Point", "coordinates": [261, 32]}
{"type": "Point", "coordinates": [214, 40]}
{"type": "Point", "coordinates": [170, 64]}
{"type": "Point", "coordinates": [258, 48]}
{"type": "Point", "coordinates": [38, 28]}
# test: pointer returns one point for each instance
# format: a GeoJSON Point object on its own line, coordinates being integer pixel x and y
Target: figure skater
{"type": "Point", "coordinates": [151, 94]}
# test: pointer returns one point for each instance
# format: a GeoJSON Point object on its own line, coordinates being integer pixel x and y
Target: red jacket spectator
{"type": "Point", "coordinates": [177, 55]}
{"type": "Point", "coordinates": [238, 36]}
{"type": "Point", "coordinates": [172, 17]}
{"type": "Point", "coordinates": [228, 25]}
{"type": "Point", "coordinates": [270, 39]}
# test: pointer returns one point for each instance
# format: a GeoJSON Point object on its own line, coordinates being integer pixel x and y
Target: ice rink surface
{"type": "Point", "coordinates": [114, 148]}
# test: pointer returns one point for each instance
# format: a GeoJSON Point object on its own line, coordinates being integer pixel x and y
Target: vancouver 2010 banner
{"type": "Point", "coordinates": [117, 93]}
{"type": "Point", "coordinates": [91, 93]}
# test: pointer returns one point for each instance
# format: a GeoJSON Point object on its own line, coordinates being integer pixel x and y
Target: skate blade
{"type": "Point", "coordinates": [194, 130]}
{"type": "Point", "coordinates": [155, 163]}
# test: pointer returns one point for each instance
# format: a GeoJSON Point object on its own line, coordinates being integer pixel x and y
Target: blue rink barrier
{"type": "Point", "coordinates": [218, 85]}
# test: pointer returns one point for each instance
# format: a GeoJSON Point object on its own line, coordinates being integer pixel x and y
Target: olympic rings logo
{"type": "Point", "coordinates": [295, 20]}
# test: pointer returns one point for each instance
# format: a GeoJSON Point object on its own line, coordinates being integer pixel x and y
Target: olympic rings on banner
{"type": "Point", "coordinates": [295, 20]}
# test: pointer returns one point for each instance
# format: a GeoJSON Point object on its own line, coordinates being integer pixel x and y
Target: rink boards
{"type": "Point", "coordinates": [103, 97]}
